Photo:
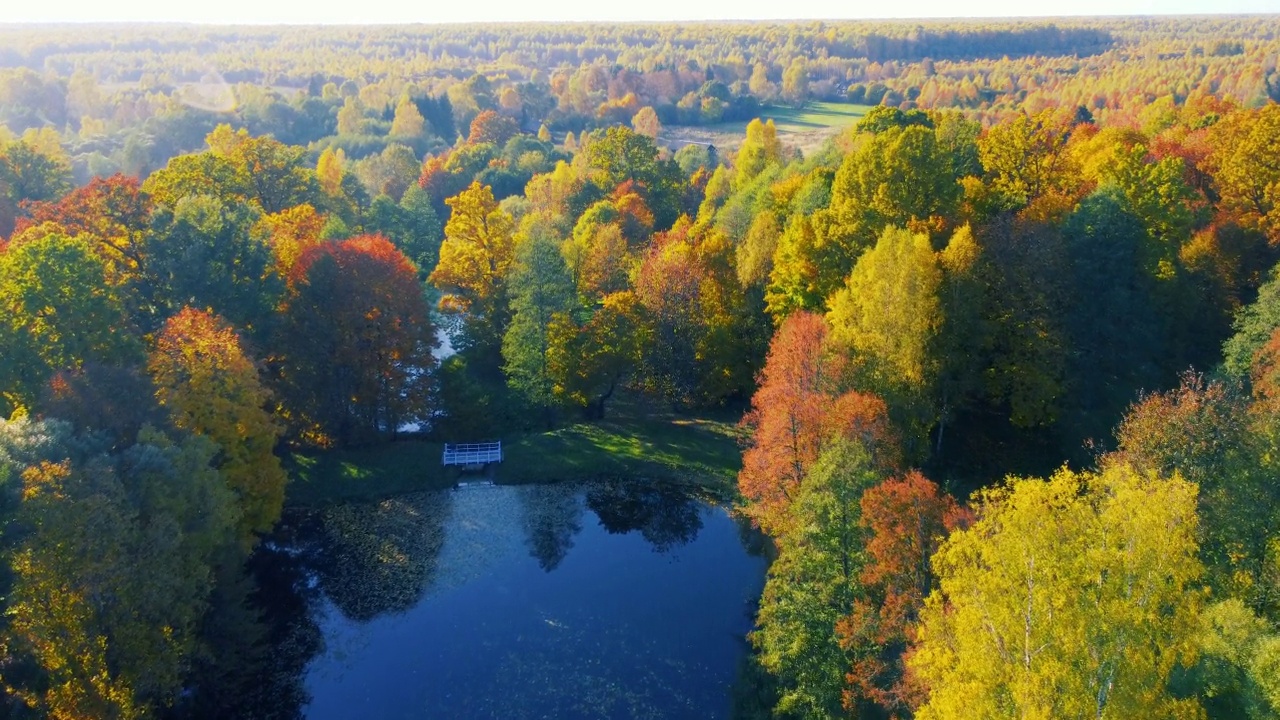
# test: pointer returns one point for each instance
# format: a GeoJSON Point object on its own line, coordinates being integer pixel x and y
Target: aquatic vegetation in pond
{"type": "Point", "coordinates": [381, 557]}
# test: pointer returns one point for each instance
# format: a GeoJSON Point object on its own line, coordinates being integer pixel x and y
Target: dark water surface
{"type": "Point", "coordinates": [548, 601]}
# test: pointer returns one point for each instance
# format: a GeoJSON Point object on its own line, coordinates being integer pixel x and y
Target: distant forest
{"type": "Point", "coordinates": [128, 98]}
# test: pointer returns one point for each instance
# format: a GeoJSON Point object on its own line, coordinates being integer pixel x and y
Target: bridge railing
{"type": "Point", "coordinates": [472, 453]}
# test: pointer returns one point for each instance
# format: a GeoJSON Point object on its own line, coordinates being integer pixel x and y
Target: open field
{"type": "Point", "coordinates": [806, 128]}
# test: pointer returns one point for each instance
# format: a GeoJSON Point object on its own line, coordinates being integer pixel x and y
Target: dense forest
{"type": "Point", "coordinates": [1009, 347]}
{"type": "Point", "coordinates": [127, 98]}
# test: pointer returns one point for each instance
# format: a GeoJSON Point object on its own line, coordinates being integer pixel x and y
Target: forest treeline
{"type": "Point", "coordinates": [1052, 295]}
{"type": "Point", "coordinates": [128, 98]}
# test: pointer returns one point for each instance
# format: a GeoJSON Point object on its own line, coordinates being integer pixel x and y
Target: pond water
{"type": "Point", "coordinates": [549, 601]}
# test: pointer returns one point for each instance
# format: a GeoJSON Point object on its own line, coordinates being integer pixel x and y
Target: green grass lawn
{"type": "Point", "coordinates": [698, 451]}
{"type": "Point", "coordinates": [806, 127]}
{"type": "Point", "coordinates": [813, 116]}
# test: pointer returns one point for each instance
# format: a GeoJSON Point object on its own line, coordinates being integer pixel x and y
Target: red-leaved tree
{"type": "Point", "coordinates": [355, 342]}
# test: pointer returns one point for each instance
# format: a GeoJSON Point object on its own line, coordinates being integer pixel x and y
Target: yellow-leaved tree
{"type": "Point", "coordinates": [291, 232]}
{"type": "Point", "coordinates": [886, 319]}
{"type": "Point", "coordinates": [478, 248]}
{"type": "Point", "coordinates": [211, 388]}
{"type": "Point", "coordinates": [1073, 597]}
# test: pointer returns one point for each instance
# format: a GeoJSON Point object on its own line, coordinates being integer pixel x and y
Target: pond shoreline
{"type": "Point", "coordinates": [693, 452]}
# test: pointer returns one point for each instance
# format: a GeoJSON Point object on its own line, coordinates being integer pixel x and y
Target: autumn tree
{"type": "Point", "coordinates": [478, 249]}
{"type": "Point", "coordinates": [618, 154]}
{"type": "Point", "coordinates": [760, 148]}
{"type": "Point", "coordinates": [795, 82]}
{"type": "Point", "coordinates": [588, 363]}
{"type": "Point", "coordinates": [1236, 674]}
{"type": "Point", "coordinates": [259, 170]}
{"type": "Point", "coordinates": [668, 284]}
{"type": "Point", "coordinates": [1202, 431]}
{"type": "Point", "coordinates": [755, 254]}
{"type": "Point", "coordinates": [646, 122]}
{"type": "Point", "coordinates": [350, 117]}
{"type": "Point", "coordinates": [408, 121]}
{"type": "Point", "coordinates": [906, 519]}
{"type": "Point", "coordinates": [273, 174]}
{"type": "Point", "coordinates": [815, 583]}
{"type": "Point", "coordinates": [388, 173]}
{"type": "Point", "coordinates": [1245, 164]}
{"type": "Point", "coordinates": [798, 411]}
{"type": "Point", "coordinates": [195, 174]}
{"type": "Point", "coordinates": [883, 118]}
{"type": "Point", "coordinates": [1157, 192]}
{"type": "Point", "coordinates": [887, 319]}
{"type": "Point", "coordinates": [355, 343]}
{"type": "Point", "coordinates": [112, 570]}
{"type": "Point", "coordinates": [1026, 159]}
{"type": "Point", "coordinates": [594, 228]}
{"type": "Point", "coordinates": [291, 232]}
{"type": "Point", "coordinates": [760, 85]}
{"type": "Point", "coordinates": [26, 173]}
{"type": "Point", "coordinates": [490, 127]}
{"type": "Point", "coordinates": [211, 388]}
{"type": "Point", "coordinates": [330, 168]}
{"type": "Point", "coordinates": [900, 176]}
{"type": "Point", "coordinates": [801, 276]}
{"type": "Point", "coordinates": [604, 264]}
{"type": "Point", "coordinates": [113, 212]}
{"type": "Point", "coordinates": [1047, 605]}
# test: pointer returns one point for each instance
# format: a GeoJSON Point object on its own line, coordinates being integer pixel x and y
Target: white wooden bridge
{"type": "Point", "coordinates": [472, 454]}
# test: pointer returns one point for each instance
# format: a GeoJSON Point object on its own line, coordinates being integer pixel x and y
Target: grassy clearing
{"type": "Point", "coordinates": [814, 116]}
{"type": "Point", "coordinates": [807, 127]}
{"type": "Point", "coordinates": [697, 451]}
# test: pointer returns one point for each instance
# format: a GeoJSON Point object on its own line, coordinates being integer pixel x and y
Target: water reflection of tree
{"type": "Point", "coordinates": [756, 543]}
{"type": "Point", "coordinates": [552, 517]}
{"type": "Point", "coordinates": [665, 516]}
{"type": "Point", "coordinates": [368, 559]}
{"type": "Point", "coordinates": [264, 636]}
{"type": "Point", "coordinates": [381, 558]}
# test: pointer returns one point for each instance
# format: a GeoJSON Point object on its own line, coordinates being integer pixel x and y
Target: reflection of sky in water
{"type": "Point", "coordinates": [614, 629]}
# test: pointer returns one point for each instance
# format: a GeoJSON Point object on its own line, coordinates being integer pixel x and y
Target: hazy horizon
{"type": "Point", "coordinates": [382, 12]}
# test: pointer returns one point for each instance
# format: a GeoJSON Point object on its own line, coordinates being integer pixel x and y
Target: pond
{"type": "Point", "coordinates": [540, 601]}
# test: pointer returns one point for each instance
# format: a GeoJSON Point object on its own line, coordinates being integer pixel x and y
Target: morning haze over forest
{"type": "Point", "coordinates": [745, 369]}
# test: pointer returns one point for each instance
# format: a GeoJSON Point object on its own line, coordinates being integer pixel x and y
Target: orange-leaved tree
{"type": "Point", "coordinates": [113, 211]}
{"type": "Point", "coordinates": [796, 412]}
{"type": "Point", "coordinates": [490, 127]}
{"type": "Point", "coordinates": [907, 518]}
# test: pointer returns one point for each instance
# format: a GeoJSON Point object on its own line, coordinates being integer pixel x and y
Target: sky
{"type": "Point", "coordinates": [450, 11]}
